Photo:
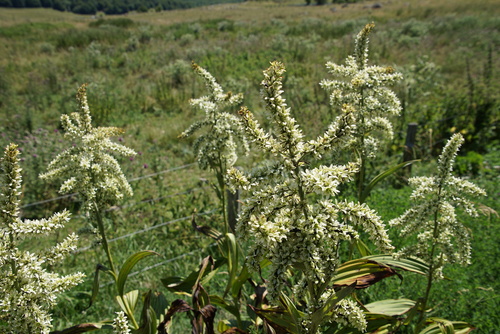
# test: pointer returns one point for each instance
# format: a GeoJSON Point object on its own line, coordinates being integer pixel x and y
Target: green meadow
{"type": "Point", "coordinates": [138, 68]}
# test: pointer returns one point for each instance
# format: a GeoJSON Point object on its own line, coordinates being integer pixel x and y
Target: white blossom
{"type": "Point", "coordinates": [291, 215]}
{"type": "Point", "coordinates": [27, 290]}
{"type": "Point", "coordinates": [88, 166]}
{"type": "Point", "coordinates": [433, 216]}
{"type": "Point", "coordinates": [363, 88]}
{"type": "Point", "coordinates": [120, 324]}
{"type": "Point", "coordinates": [217, 147]}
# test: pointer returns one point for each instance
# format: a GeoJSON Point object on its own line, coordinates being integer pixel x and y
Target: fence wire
{"type": "Point", "coordinates": [130, 180]}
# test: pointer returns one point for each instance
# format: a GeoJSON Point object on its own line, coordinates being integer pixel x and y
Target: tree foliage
{"type": "Point", "coordinates": [90, 7]}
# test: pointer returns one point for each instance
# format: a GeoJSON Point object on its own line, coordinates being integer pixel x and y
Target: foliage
{"type": "Point", "coordinates": [112, 7]}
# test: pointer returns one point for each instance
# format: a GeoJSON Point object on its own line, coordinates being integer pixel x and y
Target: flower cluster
{"type": "Point", "coordinates": [218, 146]}
{"type": "Point", "coordinates": [364, 89]}
{"type": "Point", "coordinates": [27, 290]}
{"type": "Point", "coordinates": [88, 166]}
{"type": "Point", "coordinates": [290, 214]}
{"type": "Point", "coordinates": [120, 323]}
{"type": "Point", "coordinates": [441, 237]}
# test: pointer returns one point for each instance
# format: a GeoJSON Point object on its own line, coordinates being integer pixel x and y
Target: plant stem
{"type": "Point", "coordinates": [129, 312]}
{"type": "Point", "coordinates": [105, 246]}
{"type": "Point", "coordinates": [432, 268]}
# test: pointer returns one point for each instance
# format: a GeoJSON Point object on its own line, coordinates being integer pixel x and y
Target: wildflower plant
{"type": "Point", "coordinates": [90, 169]}
{"type": "Point", "coordinates": [88, 166]}
{"type": "Point", "coordinates": [293, 216]}
{"type": "Point", "coordinates": [441, 238]}
{"type": "Point", "coordinates": [28, 290]}
{"type": "Point", "coordinates": [217, 148]}
{"type": "Point", "coordinates": [364, 88]}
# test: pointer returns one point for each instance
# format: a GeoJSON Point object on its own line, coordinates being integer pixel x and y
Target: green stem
{"type": "Point", "coordinates": [432, 268]}
{"type": "Point", "coordinates": [105, 246]}
{"type": "Point", "coordinates": [362, 168]}
{"type": "Point", "coordinates": [129, 312]}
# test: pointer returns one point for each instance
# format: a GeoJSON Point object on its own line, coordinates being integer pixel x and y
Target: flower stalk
{"type": "Point", "coordinates": [442, 239]}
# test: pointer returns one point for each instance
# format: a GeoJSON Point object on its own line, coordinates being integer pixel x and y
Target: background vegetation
{"type": "Point", "coordinates": [139, 72]}
{"type": "Point", "coordinates": [110, 6]}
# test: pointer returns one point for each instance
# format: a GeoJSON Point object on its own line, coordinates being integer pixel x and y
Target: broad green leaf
{"type": "Point", "coordinates": [381, 176]}
{"type": "Point", "coordinates": [148, 317]}
{"type": "Point", "coordinates": [277, 317]}
{"type": "Point", "coordinates": [223, 325]}
{"type": "Point", "coordinates": [127, 267]}
{"type": "Point", "coordinates": [363, 272]}
{"type": "Point", "coordinates": [83, 328]}
{"type": "Point", "coordinates": [232, 260]}
{"type": "Point", "coordinates": [412, 264]}
{"type": "Point", "coordinates": [128, 301]}
{"type": "Point", "coordinates": [362, 248]}
{"type": "Point", "coordinates": [240, 280]}
{"type": "Point", "coordinates": [159, 303]}
{"type": "Point", "coordinates": [219, 301]}
{"type": "Point", "coordinates": [149, 323]}
{"type": "Point", "coordinates": [443, 326]}
{"type": "Point", "coordinates": [391, 307]}
{"type": "Point", "coordinates": [181, 284]}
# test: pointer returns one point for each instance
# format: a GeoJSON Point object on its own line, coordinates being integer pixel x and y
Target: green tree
{"type": "Point", "coordinates": [18, 3]}
{"type": "Point", "coordinates": [32, 3]}
{"type": "Point", "coordinates": [61, 5]}
{"type": "Point", "coordinates": [46, 3]}
{"type": "Point", "coordinates": [84, 7]}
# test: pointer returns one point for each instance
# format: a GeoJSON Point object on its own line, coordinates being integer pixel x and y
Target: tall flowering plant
{"type": "Point", "coordinates": [365, 88]}
{"type": "Point", "coordinates": [441, 238]}
{"type": "Point", "coordinates": [28, 290]}
{"type": "Point", "coordinates": [217, 150]}
{"type": "Point", "coordinates": [217, 147]}
{"type": "Point", "coordinates": [293, 215]}
{"type": "Point", "coordinates": [89, 168]}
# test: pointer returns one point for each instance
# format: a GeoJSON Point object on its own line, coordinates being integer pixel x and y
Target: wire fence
{"type": "Point", "coordinates": [83, 249]}
{"type": "Point", "coordinates": [130, 180]}
{"type": "Point", "coordinates": [144, 230]}
{"type": "Point", "coordinates": [156, 265]}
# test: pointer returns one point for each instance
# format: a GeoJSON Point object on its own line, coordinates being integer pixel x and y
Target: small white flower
{"type": "Point", "coordinates": [120, 324]}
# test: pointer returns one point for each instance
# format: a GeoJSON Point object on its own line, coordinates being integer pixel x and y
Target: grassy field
{"type": "Point", "coordinates": [138, 68]}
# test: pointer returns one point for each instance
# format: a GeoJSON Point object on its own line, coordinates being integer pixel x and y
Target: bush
{"type": "Point", "coordinates": [121, 22]}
